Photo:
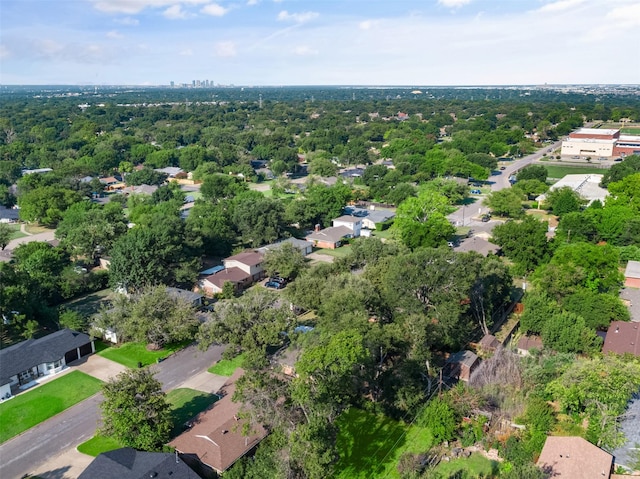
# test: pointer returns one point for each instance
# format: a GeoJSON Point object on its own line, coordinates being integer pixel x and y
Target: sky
{"type": "Point", "coordinates": [319, 42]}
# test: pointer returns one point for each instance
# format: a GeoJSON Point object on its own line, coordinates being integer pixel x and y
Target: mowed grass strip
{"type": "Point", "coordinates": [130, 354]}
{"type": "Point", "coordinates": [226, 367]}
{"type": "Point", "coordinates": [371, 445]}
{"type": "Point", "coordinates": [98, 444]}
{"type": "Point", "coordinates": [186, 404]}
{"type": "Point", "coordinates": [32, 407]}
{"type": "Point", "coordinates": [560, 172]}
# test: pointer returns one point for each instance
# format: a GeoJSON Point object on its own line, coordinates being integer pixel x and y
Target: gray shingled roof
{"type": "Point", "coordinates": [127, 463]}
{"type": "Point", "coordinates": [32, 352]}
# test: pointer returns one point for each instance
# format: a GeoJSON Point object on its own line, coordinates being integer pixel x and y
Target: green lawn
{"type": "Point", "coordinates": [130, 354]}
{"type": "Point", "coordinates": [226, 367]}
{"type": "Point", "coordinates": [337, 253]}
{"type": "Point", "coordinates": [99, 444]}
{"type": "Point", "coordinates": [474, 466]}
{"type": "Point", "coordinates": [89, 304]}
{"type": "Point", "coordinates": [387, 234]}
{"type": "Point", "coordinates": [371, 445]}
{"type": "Point", "coordinates": [186, 404]}
{"type": "Point", "coordinates": [32, 407]}
{"type": "Point", "coordinates": [561, 171]}
{"type": "Point", "coordinates": [16, 231]}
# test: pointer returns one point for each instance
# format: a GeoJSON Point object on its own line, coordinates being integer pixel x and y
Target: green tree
{"type": "Point", "coordinates": [629, 166]}
{"type": "Point", "coordinates": [218, 187]}
{"type": "Point", "coordinates": [538, 308]}
{"type": "Point", "coordinates": [524, 242]}
{"type": "Point", "coordinates": [567, 333]}
{"type": "Point", "coordinates": [531, 188]}
{"type": "Point", "coordinates": [285, 260]}
{"type": "Point", "coordinates": [135, 411]}
{"type": "Point", "coordinates": [70, 319]}
{"type": "Point", "coordinates": [259, 220]}
{"type": "Point", "coordinates": [597, 309]}
{"type": "Point", "coordinates": [440, 418]}
{"type": "Point", "coordinates": [46, 204]}
{"type": "Point", "coordinates": [507, 202]}
{"type": "Point", "coordinates": [6, 232]}
{"type": "Point", "coordinates": [322, 167]}
{"type": "Point", "coordinates": [561, 201]}
{"type": "Point", "coordinates": [533, 172]}
{"type": "Point", "coordinates": [421, 221]}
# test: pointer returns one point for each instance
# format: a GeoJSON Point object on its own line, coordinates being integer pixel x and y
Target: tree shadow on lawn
{"type": "Point", "coordinates": [364, 441]}
{"type": "Point", "coordinates": [185, 413]}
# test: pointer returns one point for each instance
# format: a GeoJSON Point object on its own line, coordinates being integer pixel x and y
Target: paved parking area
{"type": "Point", "coordinates": [68, 465]}
{"type": "Point", "coordinates": [631, 296]}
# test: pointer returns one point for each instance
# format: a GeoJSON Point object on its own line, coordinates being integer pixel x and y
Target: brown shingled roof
{"type": "Point", "coordinates": [233, 275]}
{"type": "Point", "coordinates": [574, 458]}
{"type": "Point", "coordinates": [622, 337]}
{"type": "Point", "coordinates": [217, 434]}
{"type": "Point", "coordinates": [250, 258]}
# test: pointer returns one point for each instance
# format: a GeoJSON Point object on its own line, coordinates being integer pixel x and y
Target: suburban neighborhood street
{"type": "Point", "coordinates": [42, 443]}
{"type": "Point", "coordinates": [469, 215]}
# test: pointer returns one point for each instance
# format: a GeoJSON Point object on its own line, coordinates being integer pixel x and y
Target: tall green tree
{"type": "Point", "coordinates": [135, 410]}
{"type": "Point", "coordinates": [285, 260]}
{"type": "Point", "coordinates": [507, 202]}
{"type": "Point", "coordinates": [6, 232]}
{"type": "Point", "coordinates": [524, 242]}
{"type": "Point", "coordinates": [421, 221]}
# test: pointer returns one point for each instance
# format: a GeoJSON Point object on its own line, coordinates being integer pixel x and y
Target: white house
{"type": "Point", "coordinates": [352, 222]}
{"type": "Point", "coordinates": [250, 262]}
{"type": "Point", "coordinates": [29, 360]}
{"type": "Point", "coordinates": [305, 247]}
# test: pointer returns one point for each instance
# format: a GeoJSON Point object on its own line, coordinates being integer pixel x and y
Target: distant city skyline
{"type": "Point", "coordinates": [319, 42]}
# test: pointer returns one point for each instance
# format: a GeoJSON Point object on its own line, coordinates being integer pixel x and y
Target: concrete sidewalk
{"type": "Point", "coordinates": [205, 382]}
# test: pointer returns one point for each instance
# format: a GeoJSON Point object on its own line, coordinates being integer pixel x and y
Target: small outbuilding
{"type": "Point", "coordinates": [461, 365]}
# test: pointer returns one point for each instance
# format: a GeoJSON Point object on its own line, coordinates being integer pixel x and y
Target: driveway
{"type": "Point", "coordinates": [98, 367]}
{"type": "Point", "coordinates": [68, 465]}
{"type": "Point", "coordinates": [206, 382]}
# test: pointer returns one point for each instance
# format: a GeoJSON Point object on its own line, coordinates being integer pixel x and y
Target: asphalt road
{"type": "Point", "coordinates": [470, 214]}
{"type": "Point", "coordinates": [23, 454]}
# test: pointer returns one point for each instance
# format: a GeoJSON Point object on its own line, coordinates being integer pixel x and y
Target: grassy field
{"type": "Point", "coordinates": [474, 466]}
{"type": "Point", "coordinates": [186, 404]}
{"type": "Point", "coordinates": [32, 407]}
{"type": "Point", "coordinates": [560, 171]}
{"type": "Point", "coordinates": [130, 354]}
{"type": "Point", "coordinates": [371, 445]}
{"type": "Point", "coordinates": [98, 444]}
{"type": "Point", "coordinates": [386, 234]}
{"type": "Point", "coordinates": [226, 367]}
{"type": "Point", "coordinates": [90, 303]}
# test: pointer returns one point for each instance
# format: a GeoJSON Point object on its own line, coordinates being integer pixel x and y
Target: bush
{"type": "Point", "coordinates": [440, 418]}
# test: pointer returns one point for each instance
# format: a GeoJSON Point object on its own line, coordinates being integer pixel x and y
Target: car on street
{"type": "Point", "coordinates": [486, 218]}
{"type": "Point", "coordinates": [503, 167]}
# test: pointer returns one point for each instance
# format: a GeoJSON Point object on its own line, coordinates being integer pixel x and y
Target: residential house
{"type": "Point", "coordinates": [372, 218]}
{"type": "Point", "coordinates": [249, 261]}
{"type": "Point", "coordinates": [572, 457]}
{"type": "Point", "coordinates": [214, 283]}
{"type": "Point", "coordinates": [305, 247]}
{"type": "Point", "coordinates": [8, 215]}
{"type": "Point", "coordinates": [352, 222]}
{"type": "Point", "coordinates": [622, 337]}
{"type": "Point", "coordinates": [111, 183]}
{"type": "Point", "coordinates": [527, 343]}
{"type": "Point", "coordinates": [170, 171]}
{"type": "Point", "coordinates": [127, 463]}
{"type": "Point", "coordinates": [461, 365]}
{"type": "Point", "coordinates": [194, 298]}
{"type": "Point", "coordinates": [329, 238]}
{"type": "Point", "coordinates": [632, 275]}
{"type": "Point", "coordinates": [479, 245]}
{"type": "Point", "coordinates": [24, 362]}
{"type": "Point", "coordinates": [489, 343]}
{"type": "Point", "coordinates": [218, 436]}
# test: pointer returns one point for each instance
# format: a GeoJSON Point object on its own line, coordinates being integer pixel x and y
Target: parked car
{"type": "Point", "coordinates": [278, 279]}
{"type": "Point", "coordinates": [486, 218]}
{"type": "Point", "coordinates": [503, 167]}
{"type": "Point", "coordinates": [273, 285]}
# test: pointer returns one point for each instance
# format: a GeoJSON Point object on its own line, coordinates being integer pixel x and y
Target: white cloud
{"type": "Point", "coordinates": [225, 49]}
{"type": "Point", "coordinates": [304, 50]}
{"type": "Point", "coordinates": [175, 12]}
{"type": "Point", "coordinates": [4, 52]}
{"type": "Point", "coordinates": [303, 17]}
{"type": "Point", "coordinates": [368, 24]}
{"type": "Point", "coordinates": [625, 16]}
{"type": "Point", "coordinates": [136, 6]}
{"type": "Point", "coordinates": [188, 52]}
{"type": "Point", "coordinates": [214, 10]}
{"type": "Point", "coordinates": [127, 21]}
{"type": "Point", "coordinates": [560, 6]}
{"type": "Point", "coordinates": [454, 3]}
{"type": "Point", "coordinates": [114, 34]}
